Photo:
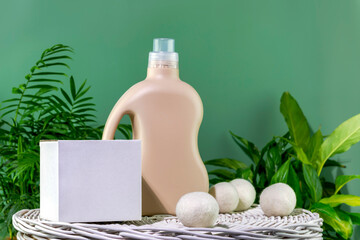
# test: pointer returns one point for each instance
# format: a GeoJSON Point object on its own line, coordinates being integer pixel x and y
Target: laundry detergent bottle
{"type": "Point", "coordinates": [166, 114]}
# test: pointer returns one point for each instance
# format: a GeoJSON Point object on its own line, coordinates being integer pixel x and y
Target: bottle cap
{"type": "Point", "coordinates": [164, 50]}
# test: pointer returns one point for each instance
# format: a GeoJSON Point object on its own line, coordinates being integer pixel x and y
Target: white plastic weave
{"type": "Point", "coordinates": [250, 224]}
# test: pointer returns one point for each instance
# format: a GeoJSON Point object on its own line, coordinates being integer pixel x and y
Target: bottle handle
{"type": "Point", "coordinates": [117, 113]}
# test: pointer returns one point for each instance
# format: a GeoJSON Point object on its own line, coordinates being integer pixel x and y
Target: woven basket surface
{"type": "Point", "coordinates": [250, 224]}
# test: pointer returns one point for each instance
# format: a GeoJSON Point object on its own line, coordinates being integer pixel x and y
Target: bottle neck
{"type": "Point", "coordinates": [160, 69]}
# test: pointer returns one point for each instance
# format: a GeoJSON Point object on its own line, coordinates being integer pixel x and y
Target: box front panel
{"type": "Point", "coordinates": [100, 180]}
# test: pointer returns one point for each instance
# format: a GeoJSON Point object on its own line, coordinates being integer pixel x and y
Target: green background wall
{"type": "Point", "coordinates": [239, 55]}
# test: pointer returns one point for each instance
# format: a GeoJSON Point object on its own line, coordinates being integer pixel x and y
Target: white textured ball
{"type": "Point", "coordinates": [197, 209]}
{"type": "Point", "coordinates": [278, 199]}
{"type": "Point", "coordinates": [246, 192]}
{"type": "Point", "coordinates": [226, 196]}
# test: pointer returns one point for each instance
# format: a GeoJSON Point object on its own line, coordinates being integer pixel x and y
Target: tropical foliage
{"type": "Point", "coordinates": [298, 159]}
{"type": "Point", "coordinates": [48, 105]}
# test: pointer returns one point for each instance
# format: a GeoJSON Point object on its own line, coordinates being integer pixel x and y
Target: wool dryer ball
{"type": "Point", "coordinates": [226, 196]}
{"type": "Point", "coordinates": [197, 209]}
{"type": "Point", "coordinates": [246, 192]}
{"type": "Point", "coordinates": [278, 200]}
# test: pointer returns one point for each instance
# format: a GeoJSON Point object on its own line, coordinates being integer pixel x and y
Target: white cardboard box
{"type": "Point", "coordinates": [90, 180]}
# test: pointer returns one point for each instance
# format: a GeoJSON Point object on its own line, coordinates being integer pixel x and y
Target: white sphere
{"type": "Point", "coordinates": [246, 192]}
{"type": "Point", "coordinates": [226, 196]}
{"type": "Point", "coordinates": [278, 199]}
{"type": "Point", "coordinates": [197, 209]}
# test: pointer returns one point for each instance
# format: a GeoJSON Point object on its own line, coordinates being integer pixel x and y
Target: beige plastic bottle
{"type": "Point", "coordinates": [166, 114]}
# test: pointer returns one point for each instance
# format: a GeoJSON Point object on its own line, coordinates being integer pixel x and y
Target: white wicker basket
{"type": "Point", "coordinates": [250, 224]}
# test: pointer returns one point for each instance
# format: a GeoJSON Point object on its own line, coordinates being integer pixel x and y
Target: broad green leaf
{"type": "Point", "coordinates": [245, 174]}
{"type": "Point", "coordinates": [346, 218]}
{"type": "Point", "coordinates": [340, 140]}
{"type": "Point", "coordinates": [282, 174]}
{"type": "Point", "coordinates": [226, 162]}
{"type": "Point", "coordinates": [328, 188]}
{"type": "Point", "coordinates": [214, 181]}
{"type": "Point", "coordinates": [274, 155]}
{"type": "Point", "coordinates": [248, 147]}
{"type": "Point", "coordinates": [314, 145]}
{"type": "Point", "coordinates": [333, 163]}
{"type": "Point", "coordinates": [342, 180]}
{"type": "Point", "coordinates": [222, 173]}
{"type": "Point", "coordinates": [355, 218]}
{"type": "Point", "coordinates": [338, 199]}
{"type": "Point", "coordinates": [313, 182]}
{"type": "Point", "coordinates": [301, 155]}
{"type": "Point", "coordinates": [331, 217]}
{"type": "Point", "coordinates": [294, 117]}
{"type": "Point", "coordinates": [269, 168]}
{"type": "Point", "coordinates": [294, 182]}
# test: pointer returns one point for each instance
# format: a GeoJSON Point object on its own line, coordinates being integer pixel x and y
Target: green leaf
{"type": "Point", "coordinates": [61, 102]}
{"type": "Point", "coordinates": [294, 182]}
{"type": "Point", "coordinates": [46, 80]}
{"type": "Point", "coordinates": [84, 110]}
{"type": "Point", "coordinates": [245, 174]}
{"type": "Point", "coordinates": [214, 181]}
{"type": "Point", "coordinates": [58, 51]}
{"type": "Point", "coordinates": [301, 155]}
{"type": "Point", "coordinates": [333, 163]}
{"type": "Point", "coordinates": [248, 147]}
{"type": "Point", "coordinates": [83, 100]}
{"type": "Point", "coordinates": [82, 86]}
{"type": "Point", "coordinates": [282, 174]}
{"type": "Point", "coordinates": [340, 140]}
{"type": "Point", "coordinates": [55, 58]}
{"type": "Point", "coordinates": [342, 180]}
{"type": "Point", "coordinates": [66, 96]}
{"type": "Point", "coordinates": [43, 86]}
{"type": "Point", "coordinates": [72, 88]}
{"type": "Point", "coordinates": [345, 217]}
{"type": "Point", "coordinates": [331, 217]}
{"type": "Point", "coordinates": [226, 162]}
{"type": "Point", "coordinates": [313, 182]}
{"type": "Point", "coordinates": [49, 73]}
{"type": "Point", "coordinates": [53, 64]}
{"type": "Point", "coordinates": [16, 90]}
{"type": "Point", "coordinates": [298, 126]}
{"type": "Point", "coordinates": [355, 218]}
{"type": "Point", "coordinates": [80, 94]}
{"type": "Point", "coordinates": [11, 100]}
{"type": "Point", "coordinates": [314, 145]}
{"type": "Point", "coordinates": [224, 174]}
{"type": "Point", "coordinates": [274, 155]}
{"type": "Point", "coordinates": [338, 199]}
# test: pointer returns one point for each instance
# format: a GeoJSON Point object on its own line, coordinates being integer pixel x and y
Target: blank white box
{"type": "Point", "coordinates": [90, 180]}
